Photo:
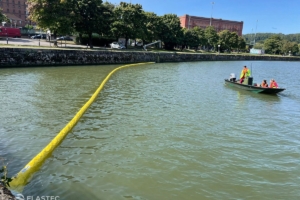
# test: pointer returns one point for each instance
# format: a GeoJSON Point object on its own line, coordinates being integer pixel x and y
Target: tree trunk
{"type": "Point", "coordinates": [90, 40]}
{"type": "Point", "coordinates": [54, 35]}
{"type": "Point", "coordinates": [126, 41]}
{"type": "Point", "coordinates": [80, 38]}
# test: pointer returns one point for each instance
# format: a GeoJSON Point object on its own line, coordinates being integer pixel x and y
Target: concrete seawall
{"type": "Point", "coordinates": [20, 57]}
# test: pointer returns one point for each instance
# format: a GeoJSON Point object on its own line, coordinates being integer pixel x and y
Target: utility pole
{"type": "Point", "coordinates": [252, 39]}
{"type": "Point", "coordinates": [255, 32]}
{"type": "Point", "coordinates": [212, 6]}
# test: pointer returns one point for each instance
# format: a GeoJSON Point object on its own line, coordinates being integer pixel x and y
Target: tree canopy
{"type": "Point", "coordinates": [228, 40]}
{"type": "Point", "coordinates": [128, 21]}
{"type": "Point", "coordinates": [170, 30]}
{"type": "Point", "coordinates": [273, 44]}
{"type": "Point", "coordinates": [211, 35]}
{"type": "Point", "coordinates": [3, 17]}
{"type": "Point", "coordinates": [125, 20]}
{"type": "Point", "coordinates": [193, 37]}
{"type": "Point", "coordinates": [261, 37]}
{"type": "Point", "coordinates": [151, 27]}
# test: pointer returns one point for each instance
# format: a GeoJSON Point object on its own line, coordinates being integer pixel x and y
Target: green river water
{"type": "Point", "coordinates": [157, 131]}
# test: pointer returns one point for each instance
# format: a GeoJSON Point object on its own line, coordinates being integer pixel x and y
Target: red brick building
{"type": "Point", "coordinates": [16, 12]}
{"type": "Point", "coordinates": [188, 21]}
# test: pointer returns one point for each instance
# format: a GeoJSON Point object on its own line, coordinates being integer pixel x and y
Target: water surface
{"type": "Point", "coordinates": [160, 131]}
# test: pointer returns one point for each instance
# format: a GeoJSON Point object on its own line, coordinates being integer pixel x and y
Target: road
{"type": "Point", "coordinates": [39, 42]}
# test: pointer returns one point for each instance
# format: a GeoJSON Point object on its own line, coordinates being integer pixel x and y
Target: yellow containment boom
{"type": "Point", "coordinates": [23, 177]}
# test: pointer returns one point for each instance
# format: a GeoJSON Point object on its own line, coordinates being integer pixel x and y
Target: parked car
{"type": "Point", "coordinates": [38, 37]}
{"type": "Point", "coordinates": [68, 38]}
{"type": "Point", "coordinates": [138, 43]}
{"type": "Point", "coordinates": [116, 45]}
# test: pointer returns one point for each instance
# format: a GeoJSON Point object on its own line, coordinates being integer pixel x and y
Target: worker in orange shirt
{"type": "Point", "coordinates": [273, 84]}
{"type": "Point", "coordinates": [245, 73]}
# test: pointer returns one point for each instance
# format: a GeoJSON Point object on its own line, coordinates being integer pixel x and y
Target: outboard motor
{"type": "Point", "coordinates": [250, 80]}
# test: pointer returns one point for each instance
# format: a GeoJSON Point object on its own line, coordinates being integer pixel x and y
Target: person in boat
{"type": "Point", "coordinates": [232, 77]}
{"type": "Point", "coordinates": [273, 84]}
{"type": "Point", "coordinates": [245, 73]}
{"type": "Point", "coordinates": [264, 84]}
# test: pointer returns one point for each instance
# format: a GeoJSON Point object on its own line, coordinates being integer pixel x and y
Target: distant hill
{"type": "Point", "coordinates": [261, 37]}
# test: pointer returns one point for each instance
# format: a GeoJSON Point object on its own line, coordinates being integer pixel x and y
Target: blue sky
{"type": "Point", "coordinates": [260, 16]}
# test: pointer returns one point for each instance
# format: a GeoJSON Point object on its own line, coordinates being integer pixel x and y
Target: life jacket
{"type": "Point", "coordinates": [245, 73]}
{"type": "Point", "coordinates": [264, 84]}
{"type": "Point", "coordinates": [273, 85]}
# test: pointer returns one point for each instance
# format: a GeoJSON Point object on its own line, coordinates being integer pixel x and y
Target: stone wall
{"type": "Point", "coordinates": [18, 57]}
{"type": "Point", "coordinates": [5, 194]}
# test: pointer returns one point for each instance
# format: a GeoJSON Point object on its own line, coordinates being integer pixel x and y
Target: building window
{"type": "Point", "coordinates": [7, 10]}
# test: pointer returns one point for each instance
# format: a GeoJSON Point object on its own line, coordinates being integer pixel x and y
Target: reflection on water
{"type": "Point", "coordinates": [163, 131]}
{"type": "Point", "coordinates": [242, 94]}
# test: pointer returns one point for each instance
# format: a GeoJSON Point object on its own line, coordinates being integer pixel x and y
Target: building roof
{"type": "Point", "coordinates": [198, 17]}
{"type": "Point", "coordinates": [12, 17]}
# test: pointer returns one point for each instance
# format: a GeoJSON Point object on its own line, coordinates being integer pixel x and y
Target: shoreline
{"type": "Point", "coordinates": [25, 57]}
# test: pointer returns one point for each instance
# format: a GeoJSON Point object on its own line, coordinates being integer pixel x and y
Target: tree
{"type": "Point", "coordinates": [273, 44]}
{"type": "Point", "coordinates": [241, 43]}
{"type": "Point", "coordinates": [51, 14]}
{"type": "Point", "coordinates": [3, 17]}
{"type": "Point", "coordinates": [201, 35]}
{"type": "Point", "coordinates": [258, 45]}
{"type": "Point", "coordinates": [170, 30]}
{"type": "Point", "coordinates": [228, 40]}
{"type": "Point", "coordinates": [289, 47]}
{"type": "Point", "coordinates": [108, 12]}
{"type": "Point", "coordinates": [261, 37]}
{"type": "Point", "coordinates": [211, 36]}
{"type": "Point", "coordinates": [193, 37]}
{"type": "Point", "coordinates": [128, 21]}
{"type": "Point", "coordinates": [151, 28]}
{"type": "Point", "coordinates": [90, 16]}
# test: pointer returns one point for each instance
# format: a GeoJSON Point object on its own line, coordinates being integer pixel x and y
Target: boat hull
{"type": "Point", "coordinates": [254, 88]}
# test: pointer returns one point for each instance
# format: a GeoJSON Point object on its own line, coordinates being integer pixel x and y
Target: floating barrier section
{"type": "Point", "coordinates": [22, 178]}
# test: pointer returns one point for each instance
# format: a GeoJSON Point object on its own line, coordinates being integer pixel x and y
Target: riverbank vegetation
{"type": "Point", "coordinates": [126, 20]}
{"type": "Point", "coordinates": [4, 179]}
{"type": "Point", "coordinates": [276, 43]}
{"type": "Point", "coordinates": [95, 22]}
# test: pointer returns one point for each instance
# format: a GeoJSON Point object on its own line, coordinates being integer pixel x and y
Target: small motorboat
{"type": "Point", "coordinates": [249, 86]}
